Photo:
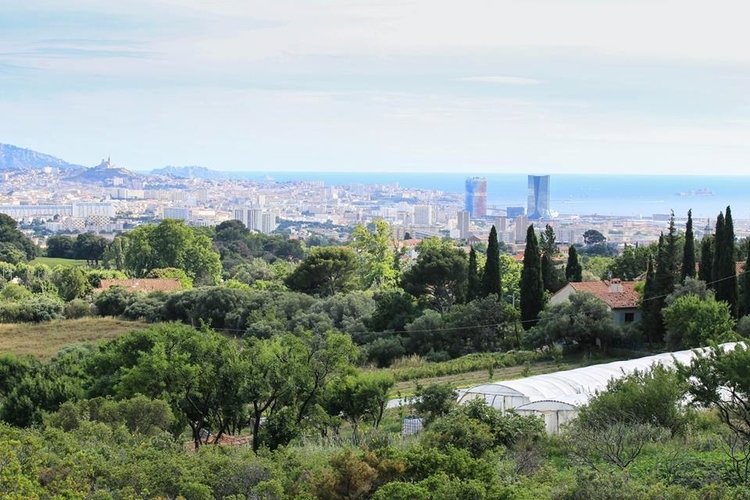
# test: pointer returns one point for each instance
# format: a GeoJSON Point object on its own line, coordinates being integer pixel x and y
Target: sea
{"type": "Point", "coordinates": [635, 196]}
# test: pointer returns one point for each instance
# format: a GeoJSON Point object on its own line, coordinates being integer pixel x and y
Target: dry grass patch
{"type": "Point", "coordinates": [44, 340]}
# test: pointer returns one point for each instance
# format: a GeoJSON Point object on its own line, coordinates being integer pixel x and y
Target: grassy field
{"type": "Point", "coordinates": [53, 261]}
{"type": "Point", "coordinates": [44, 340]}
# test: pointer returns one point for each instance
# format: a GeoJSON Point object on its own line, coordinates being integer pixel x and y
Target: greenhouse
{"type": "Point", "coordinates": [557, 396]}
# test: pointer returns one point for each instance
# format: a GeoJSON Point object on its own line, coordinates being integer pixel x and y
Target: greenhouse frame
{"type": "Point", "coordinates": [557, 396]}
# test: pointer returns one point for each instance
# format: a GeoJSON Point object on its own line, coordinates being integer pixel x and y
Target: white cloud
{"type": "Point", "coordinates": [504, 80]}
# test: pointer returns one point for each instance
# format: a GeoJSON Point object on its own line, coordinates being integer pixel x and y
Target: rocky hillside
{"type": "Point", "coordinates": [15, 158]}
{"type": "Point", "coordinates": [191, 172]}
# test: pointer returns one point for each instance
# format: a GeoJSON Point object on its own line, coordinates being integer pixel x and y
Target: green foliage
{"type": "Point", "coordinates": [724, 273]}
{"type": "Point", "coordinates": [76, 308]}
{"type": "Point", "coordinates": [720, 379]}
{"type": "Point", "coordinates": [598, 266]}
{"type": "Point", "coordinates": [114, 300]}
{"type": "Point", "coordinates": [61, 247]}
{"type": "Point", "coordinates": [44, 388]}
{"type": "Point", "coordinates": [35, 309]}
{"type": "Point", "coordinates": [325, 271]}
{"type": "Point", "coordinates": [12, 292]}
{"type": "Point", "coordinates": [593, 237]}
{"type": "Point", "coordinates": [707, 257]}
{"type": "Point", "coordinates": [393, 311]}
{"type": "Point", "coordinates": [15, 246]}
{"type": "Point", "coordinates": [71, 283]}
{"type": "Point", "coordinates": [491, 277]}
{"type": "Point", "coordinates": [573, 269]}
{"type": "Point", "coordinates": [630, 264]}
{"type": "Point", "coordinates": [652, 396]}
{"type": "Point", "coordinates": [532, 285]}
{"type": "Point", "coordinates": [473, 282]}
{"type": "Point", "coordinates": [687, 270]}
{"type": "Point", "coordinates": [375, 255]}
{"type": "Point", "coordinates": [359, 397]}
{"type": "Point", "coordinates": [695, 322]}
{"type": "Point", "coordinates": [170, 244]}
{"type": "Point", "coordinates": [480, 325]}
{"type": "Point", "coordinates": [479, 428]}
{"type": "Point", "coordinates": [439, 276]}
{"type": "Point", "coordinates": [547, 241]}
{"type": "Point", "coordinates": [434, 401]}
{"type": "Point", "coordinates": [149, 308]}
{"type": "Point", "coordinates": [139, 415]}
{"type": "Point", "coordinates": [89, 247]}
{"type": "Point", "coordinates": [582, 319]}
{"type": "Point", "coordinates": [464, 364]}
{"type": "Point", "coordinates": [384, 350]}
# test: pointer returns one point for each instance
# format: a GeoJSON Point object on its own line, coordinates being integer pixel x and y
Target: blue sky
{"type": "Point", "coordinates": [551, 86]}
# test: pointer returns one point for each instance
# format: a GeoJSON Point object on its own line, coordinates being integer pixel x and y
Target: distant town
{"type": "Point", "coordinates": [52, 198]}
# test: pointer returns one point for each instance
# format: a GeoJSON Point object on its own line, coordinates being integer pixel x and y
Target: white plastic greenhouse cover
{"type": "Point", "coordinates": [570, 388]}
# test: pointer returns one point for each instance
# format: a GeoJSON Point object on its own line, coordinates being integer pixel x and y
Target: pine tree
{"type": "Point", "coordinates": [707, 257]}
{"type": "Point", "coordinates": [573, 270]}
{"type": "Point", "coordinates": [491, 277]}
{"type": "Point", "coordinates": [548, 241]}
{"type": "Point", "coordinates": [688, 253]}
{"type": "Point", "coordinates": [473, 283]}
{"type": "Point", "coordinates": [532, 287]}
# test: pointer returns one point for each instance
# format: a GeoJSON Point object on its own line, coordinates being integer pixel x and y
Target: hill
{"type": "Point", "coordinates": [104, 173]}
{"type": "Point", "coordinates": [15, 158]}
{"type": "Point", "coordinates": [192, 172]}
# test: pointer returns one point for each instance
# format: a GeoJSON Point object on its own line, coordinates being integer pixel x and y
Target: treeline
{"type": "Point", "coordinates": [437, 300]}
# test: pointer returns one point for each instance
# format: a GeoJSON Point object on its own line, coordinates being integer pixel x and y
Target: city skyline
{"type": "Point", "coordinates": [558, 87]}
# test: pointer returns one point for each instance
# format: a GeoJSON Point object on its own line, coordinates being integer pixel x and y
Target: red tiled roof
{"type": "Point", "coordinates": [144, 284]}
{"type": "Point", "coordinates": [626, 299]}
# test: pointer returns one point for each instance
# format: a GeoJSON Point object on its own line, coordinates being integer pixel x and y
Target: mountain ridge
{"type": "Point", "coordinates": [17, 158]}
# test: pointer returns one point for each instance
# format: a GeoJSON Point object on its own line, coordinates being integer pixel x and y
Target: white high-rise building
{"type": "Point", "coordinates": [424, 215]}
{"type": "Point", "coordinates": [464, 221]}
{"type": "Point", "coordinates": [255, 219]}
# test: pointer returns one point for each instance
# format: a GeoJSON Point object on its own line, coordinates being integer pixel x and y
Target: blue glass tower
{"type": "Point", "coordinates": [538, 197]}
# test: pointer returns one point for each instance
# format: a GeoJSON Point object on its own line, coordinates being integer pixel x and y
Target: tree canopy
{"type": "Point", "coordinates": [439, 276]}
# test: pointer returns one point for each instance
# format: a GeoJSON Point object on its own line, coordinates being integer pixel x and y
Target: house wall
{"type": "Point", "coordinates": [618, 316]}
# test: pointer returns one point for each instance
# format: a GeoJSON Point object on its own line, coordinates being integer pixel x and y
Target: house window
{"type": "Point", "coordinates": [629, 317]}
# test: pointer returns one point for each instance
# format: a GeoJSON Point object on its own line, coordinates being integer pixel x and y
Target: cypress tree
{"type": "Point", "coordinates": [746, 283]}
{"type": "Point", "coordinates": [688, 253]}
{"type": "Point", "coordinates": [573, 270]}
{"type": "Point", "coordinates": [473, 283]}
{"type": "Point", "coordinates": [547, 272]}
{"type": "Point", "coordinates": [663, 280]}
{"type": "Point", "coordinates": [491, 276]}
{"type": "Point", "coordinates": [726, 287]}
{"type": "Point", "coordinates": [707, 257]}
{"type": "Point", "coordinates": [717, 255]}
{"type": "Point", "coordinates": [652, 322]}
{"type": "Point", "coordinates": [532, 287]}
{"type": "Point", "coordinates": [666, 261]}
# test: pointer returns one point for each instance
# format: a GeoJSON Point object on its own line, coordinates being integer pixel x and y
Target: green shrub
{"type": "Point", "coordinates": [77, 308]}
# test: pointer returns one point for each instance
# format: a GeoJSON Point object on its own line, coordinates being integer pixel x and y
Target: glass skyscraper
{"type": "Point", "coordinates": [538, 200]}
{"type": "Point", "coordinates": [476, 197]}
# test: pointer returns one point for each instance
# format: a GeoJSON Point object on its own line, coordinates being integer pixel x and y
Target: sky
{"type": "Point", "coordinates": [475, 86]}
